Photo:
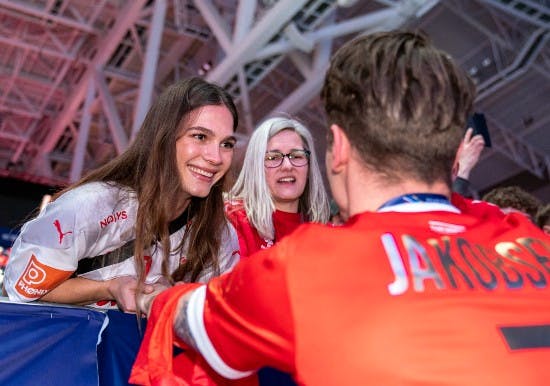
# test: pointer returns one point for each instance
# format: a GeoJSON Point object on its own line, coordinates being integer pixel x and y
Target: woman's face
{"type": "Point", "coordinates": [204, 149]}
{"type": "Point", "coordinates": [286, 182]}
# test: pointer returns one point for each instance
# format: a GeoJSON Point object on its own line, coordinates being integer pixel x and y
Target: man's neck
{"type": "Point", "coordinates": [371, 195]}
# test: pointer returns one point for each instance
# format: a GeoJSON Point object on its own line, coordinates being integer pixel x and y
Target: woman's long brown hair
{"type": "Point", "coordinates": [149, 168]}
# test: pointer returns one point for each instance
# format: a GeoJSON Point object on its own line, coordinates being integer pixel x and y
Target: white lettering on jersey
{"type": "Point", "coordinates": [401, 282]}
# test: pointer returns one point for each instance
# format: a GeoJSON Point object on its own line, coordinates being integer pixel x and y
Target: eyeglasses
{"type": "Point", "coordinates": [274, 159]}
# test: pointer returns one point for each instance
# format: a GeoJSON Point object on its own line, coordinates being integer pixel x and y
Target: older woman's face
{"type": "Point", "coordinates": [286, 182]}
{"type": "Point", "coordinates": [204, 149]}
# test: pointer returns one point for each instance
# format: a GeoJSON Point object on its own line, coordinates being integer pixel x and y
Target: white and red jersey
{"type": "Point", "coordinates": [89, 231]}
{"type": "Point", "coordinates": [423, 293]}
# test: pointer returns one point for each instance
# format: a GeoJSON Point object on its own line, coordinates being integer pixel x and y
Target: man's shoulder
{"type": "Point", "coordinates": [311, 236]}
{"type": "Point", "coordinates": [475, 207]}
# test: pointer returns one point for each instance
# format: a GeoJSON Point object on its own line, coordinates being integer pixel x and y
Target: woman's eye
{"type": "Point", "coordinates": [200, 137]}
{"type": "Point", "coordinates": [272, 156]}
{"type": "Point", "coordinates": [228, 145]}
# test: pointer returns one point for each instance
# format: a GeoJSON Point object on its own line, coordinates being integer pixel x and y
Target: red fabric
{"type": "Point", "coordinates": [194, 370]}
{"type": "Point", "coordinates": [249, 239]}
{"type": "Point", "coordinates": [285, 223]}
{"type": "Point", "coordinates": [479, 209]}
{"type": "Point", "coordinates": [155, 365]}
{"type": "Point", "coordinates": [336, 304]}
{"type": "Point", "coordinates": [246, 332]}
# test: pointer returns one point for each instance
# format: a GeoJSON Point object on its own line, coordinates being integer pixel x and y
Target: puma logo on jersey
{"type": "Point", "coordinates": [112, 218]}
{"type": "Point", "coordinates": [62, 234]}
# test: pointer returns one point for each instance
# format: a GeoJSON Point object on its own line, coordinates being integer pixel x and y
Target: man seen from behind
{"type": "Point", "coordinates": [417, 287]}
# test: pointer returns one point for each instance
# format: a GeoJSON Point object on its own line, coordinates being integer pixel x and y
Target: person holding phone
{"type": "Point", "coordinates": [467, 158]}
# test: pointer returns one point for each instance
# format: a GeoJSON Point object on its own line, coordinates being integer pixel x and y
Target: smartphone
{"type": "Point", "coordinates": [477, 122]}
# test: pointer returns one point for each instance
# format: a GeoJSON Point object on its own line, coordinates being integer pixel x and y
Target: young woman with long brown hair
{"type": "Point", "coordinates": [153, 212]}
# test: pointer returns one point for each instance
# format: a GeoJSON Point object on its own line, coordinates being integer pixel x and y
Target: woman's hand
{"type": "Point", "coordinates": [145, 299]}
{"type": "Point", "coordinates": [123, 291]}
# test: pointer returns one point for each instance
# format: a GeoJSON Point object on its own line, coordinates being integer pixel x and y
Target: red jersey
{"type": "Point", "coordinates": [420, 294]}
{"type": "Point", "coordinates": [250, 240]}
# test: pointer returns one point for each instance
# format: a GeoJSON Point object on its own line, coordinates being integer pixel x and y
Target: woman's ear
{"type": "Point", "coordinates": [339, 150]}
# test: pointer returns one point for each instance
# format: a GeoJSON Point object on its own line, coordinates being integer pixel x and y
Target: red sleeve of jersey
{"type": "Point", "coordinates": [153, 363]}
{"type": "Point", "coordinates": [247, 314]}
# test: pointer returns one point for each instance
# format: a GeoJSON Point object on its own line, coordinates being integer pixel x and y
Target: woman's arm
{"type": "Point", "coordinates": [79, 290]}
{"type": "Point", "coordinates": [84, 291]}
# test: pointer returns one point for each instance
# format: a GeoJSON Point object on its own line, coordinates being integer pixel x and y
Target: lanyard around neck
{"type": "Point", "coordinates": [416, 197]}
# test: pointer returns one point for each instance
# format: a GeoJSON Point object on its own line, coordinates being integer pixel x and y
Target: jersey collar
{"type": "Point", "coordinates": [418, 202]}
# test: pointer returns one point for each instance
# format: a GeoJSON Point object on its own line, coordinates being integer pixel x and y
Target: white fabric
{"type": "Point", "coordinates": [89, 221]}
{"type": "Point", "coordinates": [416, 207]}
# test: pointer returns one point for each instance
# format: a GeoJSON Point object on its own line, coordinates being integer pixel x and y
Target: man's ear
{"type": "Point", "coordinates": [340, 148]}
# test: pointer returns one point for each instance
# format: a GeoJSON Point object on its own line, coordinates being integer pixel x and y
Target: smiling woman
{"type": "Point", "coordinates": [279, 186]}
{"type": "Point", "coordinates": [151, 216]}
{"type": "Point", "coordinates": [204, 149]}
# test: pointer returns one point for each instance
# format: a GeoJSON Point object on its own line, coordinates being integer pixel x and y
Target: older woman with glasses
{"type": "Point", "coordinates": [279, 186]}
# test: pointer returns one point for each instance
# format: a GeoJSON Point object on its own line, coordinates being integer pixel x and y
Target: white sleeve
{"type": "Point", "coordinates": [39, 255]}
{"type": "Point", "coordinates": [47, 250]}
{"type": "Point", "coordinates": [195, 320]}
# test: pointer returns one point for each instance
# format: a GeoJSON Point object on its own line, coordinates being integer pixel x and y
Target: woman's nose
{"type": "Point", "coordinates": [286, 164]}
{"type": "Point", "coordinates": [212, 154]}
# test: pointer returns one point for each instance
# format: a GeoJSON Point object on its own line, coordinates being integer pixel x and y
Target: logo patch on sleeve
{"type": "Point", "coordinates": [38, 279]}
{"type": "Point", "coordinates": [61, 234]}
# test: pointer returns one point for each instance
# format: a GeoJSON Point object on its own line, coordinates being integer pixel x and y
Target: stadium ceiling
{"type": "Point", "coordinates": [77, 76]}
